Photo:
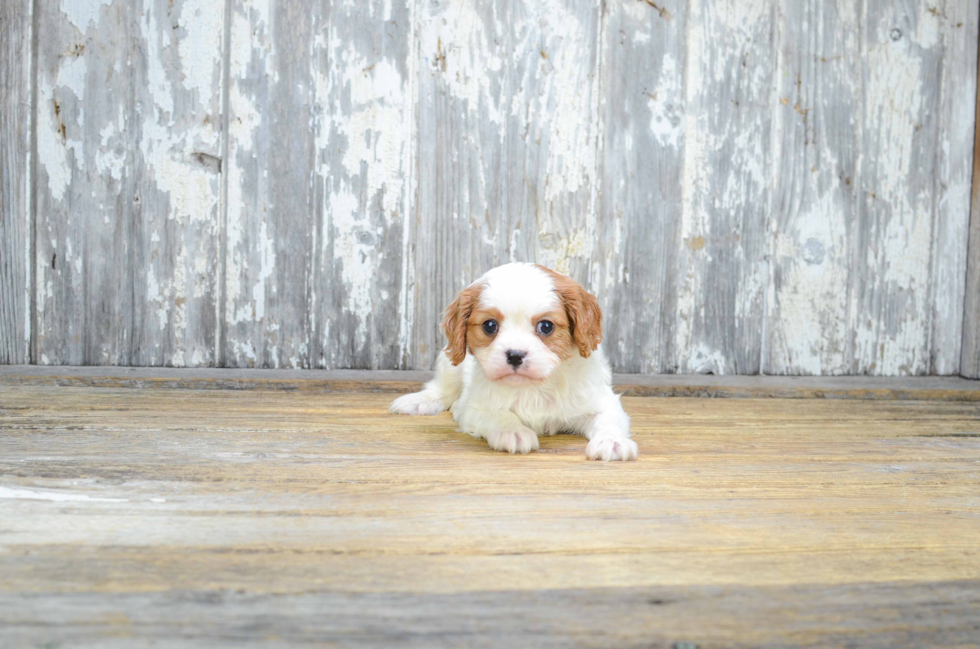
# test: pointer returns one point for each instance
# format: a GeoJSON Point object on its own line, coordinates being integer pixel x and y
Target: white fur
{"type": "Point", "coordinates": [510, 408]}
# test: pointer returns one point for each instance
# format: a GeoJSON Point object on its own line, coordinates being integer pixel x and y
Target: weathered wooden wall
{"type": "Point", "coordinates": [128, 150]}
{"type": "Point", "coordinates": [749, 185]}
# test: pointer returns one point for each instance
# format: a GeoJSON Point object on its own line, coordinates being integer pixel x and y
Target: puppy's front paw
{"type": "Point", "coordinates": [418, 403]}
{"type": "Point", "coordinates": [514, 441]}
{"type": "Point", "coordinates": [611, 448]}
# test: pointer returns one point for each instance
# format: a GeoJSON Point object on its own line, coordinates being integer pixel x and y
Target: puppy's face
{"type": "Point", "coordinates": [521, 321]}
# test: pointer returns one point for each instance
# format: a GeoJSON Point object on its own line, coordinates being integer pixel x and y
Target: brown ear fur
{"type": "Point", "coordinates": [583, 312]}
{"type": "Point", "coordinates": [455, 321]}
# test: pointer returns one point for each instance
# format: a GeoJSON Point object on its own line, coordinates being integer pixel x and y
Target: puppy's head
{"type": "Point", "coordinates": [521, 321]}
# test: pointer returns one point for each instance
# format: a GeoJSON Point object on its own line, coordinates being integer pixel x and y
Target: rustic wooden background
{"type": "Point", "coordinates": [778, 186]}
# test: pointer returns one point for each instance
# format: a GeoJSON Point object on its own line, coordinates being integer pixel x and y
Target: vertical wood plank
{"type": "Point", "coordinates": [128, 182]}
{"type": "Point", "coordinates": [959, 26]}
{"type": "Point", "coordinates": [319, 183]}
{"type": "Point", "coordinates": [641, 164]}
{"type": "Point", "coordinates": [364, 82]}
{"type": "Point", "coordinates": [893, 257]}
{"type": "Point", "coordinates": [970, 356]}
{"type": "Point", "coordinates": [15, 146]}
{"type": "Point", "coordinates": [271, 212]}
{"type": "Point", "coordinates": [870, 211]}
{"type": "Point", "coordinates": [721, 265]}
{"type": "Point", "coordinates": [816, 201]}
{"type": "Point", "coordinates": [507, 147]}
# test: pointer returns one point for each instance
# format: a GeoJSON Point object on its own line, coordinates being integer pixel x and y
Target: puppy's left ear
{"type": "Point", "coordinates": [586, 318]}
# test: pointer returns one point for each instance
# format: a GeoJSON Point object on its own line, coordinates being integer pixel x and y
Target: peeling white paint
{"type": "Point", "coordinates": [701, 359]}
{"type": "Point", "coordinates": [251, 25]}
{"type": "Point", "coordinates": [358, 269]}
{"type": "Point", "coordinates": [203, 21]}
{"type": "Point", "coordinates": [157, 82]}
{"type": "Point", "coordinates": [724, 180]}
{"type": "Point", "coordinates": [52, 141]}
{"type": "Point", "coordinates": [463, 70]}
{"type": "Point", "coordinates": [267, 264]}
{"type": "Point", "coordinates": [558, 253]}
{"type": "Point", "coordinates": [692, 185]}
{"type": "Point", "coordinates": [110, 158]}
{"type": "Point", "coordinates": [900, 263]}
{"type": "Point", "coordinates": [527, 130]}
{"type": "Point", "coordinates": [814, 288]}
{"type": "Point", "coordinates": [376, 126]}
{"type": "Point", "coordinates": [956, 118]}
{"type": "Point", "coordinates": [927, 32]}
{"type": "Point", "coordinates": [82, 13]}
{"type": "Point", "coordinates": [167, 150]}
{"type": "Point", "coordinates": [363, 127]}
{"type": "Point", "coordinates": [109, 141]}
{"type": "Point", "coordinates": [665, 104]}
{"type": "Point", "coordinates": [565, 97]}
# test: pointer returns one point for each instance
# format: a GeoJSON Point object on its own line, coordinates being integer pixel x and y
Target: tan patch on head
{"type": "Point", "coordinates": [560, 341]}
{"type": "Point", "coordinates": [582, 309]}
{"type": "Point", "coordinates": [456, 319]}
{"type": "Point", "coordinates": [476, 337]}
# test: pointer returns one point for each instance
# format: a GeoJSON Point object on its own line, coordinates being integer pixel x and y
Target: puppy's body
{"type": "Point", "coordinates": [526, 378]}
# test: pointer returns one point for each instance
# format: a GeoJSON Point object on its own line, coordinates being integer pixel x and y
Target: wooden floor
{"type": "Point", "coordinates": [224, 518]}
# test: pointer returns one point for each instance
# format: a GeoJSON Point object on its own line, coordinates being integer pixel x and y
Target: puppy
{"type": "Point", "coordinates": [524, 360]}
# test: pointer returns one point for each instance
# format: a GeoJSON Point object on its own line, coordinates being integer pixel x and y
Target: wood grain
{"type": "Point", "coordinates": [269, 278]}
{"type": "Point", "coordinates": [506, 148]}
{"type": "Point", "coordinates": [959, 29]}
{"type": "Point", "coordinates": [15, 161]}
{"type": "Point", "coordinates": [892, 336]}
{"type": "Point", "coordinates": [847, 290]}
{"type": "Point", "coordinates": [319, 179]}
{"type": "Point", "coordinates": [970, 357]}
{"type": "Point", "coordinates": [816, 219]}
{"type": "Point", "coordinates": [233, 515]}
{"type": "Point", "coordinates": [400, 381]}
{"type": "Point", "coordinates": [365, 77]}
{"type": "Point", "coordinates": [642, 161]}
{"type": "Point", "coordinates": [748, 186]}
{"type": "Point", "coordinates": [663, 617]}
{"type": "Point", "coordinates": [128, 186]}
{"type": "Point", "coordinates": [721, 268]}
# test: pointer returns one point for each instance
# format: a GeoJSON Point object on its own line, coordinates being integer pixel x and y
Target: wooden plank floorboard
{"type": "Point", "coordinates": [870, 615]}
{"type": "Point", "coordinates": [210, 517]}
{"type": "Point", "coordinates": [931, 388]}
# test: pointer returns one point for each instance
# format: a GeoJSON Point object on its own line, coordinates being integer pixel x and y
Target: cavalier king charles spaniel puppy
{"type": "Point", "coordinates": [524, 360]}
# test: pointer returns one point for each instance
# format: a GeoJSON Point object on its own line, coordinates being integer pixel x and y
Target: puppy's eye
{"type": "Point", "coordinates": [490, 327]}
{"type": "Point", "coordinates": [545, 327]}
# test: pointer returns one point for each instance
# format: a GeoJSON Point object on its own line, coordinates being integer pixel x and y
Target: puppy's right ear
{"type": "Point", "coordinates": [456, 319]}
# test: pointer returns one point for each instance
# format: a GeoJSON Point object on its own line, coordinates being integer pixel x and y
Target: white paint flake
{"type": "Point", "coordinates": [666, 105]}
{"type": "Point", "coordinates": [53, 142]}
{"type": "Point", "coordinates": [82, 13]}
{"type": "Point", "coordinates": [267, 264]}
{"type": "Point", "coordinates": [202, 20]}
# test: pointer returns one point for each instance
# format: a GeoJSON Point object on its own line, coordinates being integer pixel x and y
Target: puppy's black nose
{"type": "Point", "coordinates": [515, 357]}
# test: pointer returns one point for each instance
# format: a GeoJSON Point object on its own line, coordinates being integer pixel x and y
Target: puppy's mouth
{"type": "Point", "coordinates": [516, 377]}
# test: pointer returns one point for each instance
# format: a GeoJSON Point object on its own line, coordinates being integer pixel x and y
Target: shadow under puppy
{"type": "Point", "coordinates": [524, 360]}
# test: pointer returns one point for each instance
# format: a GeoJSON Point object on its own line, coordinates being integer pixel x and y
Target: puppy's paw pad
{"type": "Point", "coordinates": [611, 448]}
{"type": "Point", "coordinates": [514, 441]}
{"type": "Point", "coordinates": [418, 403]}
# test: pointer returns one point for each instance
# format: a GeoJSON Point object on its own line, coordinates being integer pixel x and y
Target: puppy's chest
{"type": "Point", "coordinates": [548, 415]}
